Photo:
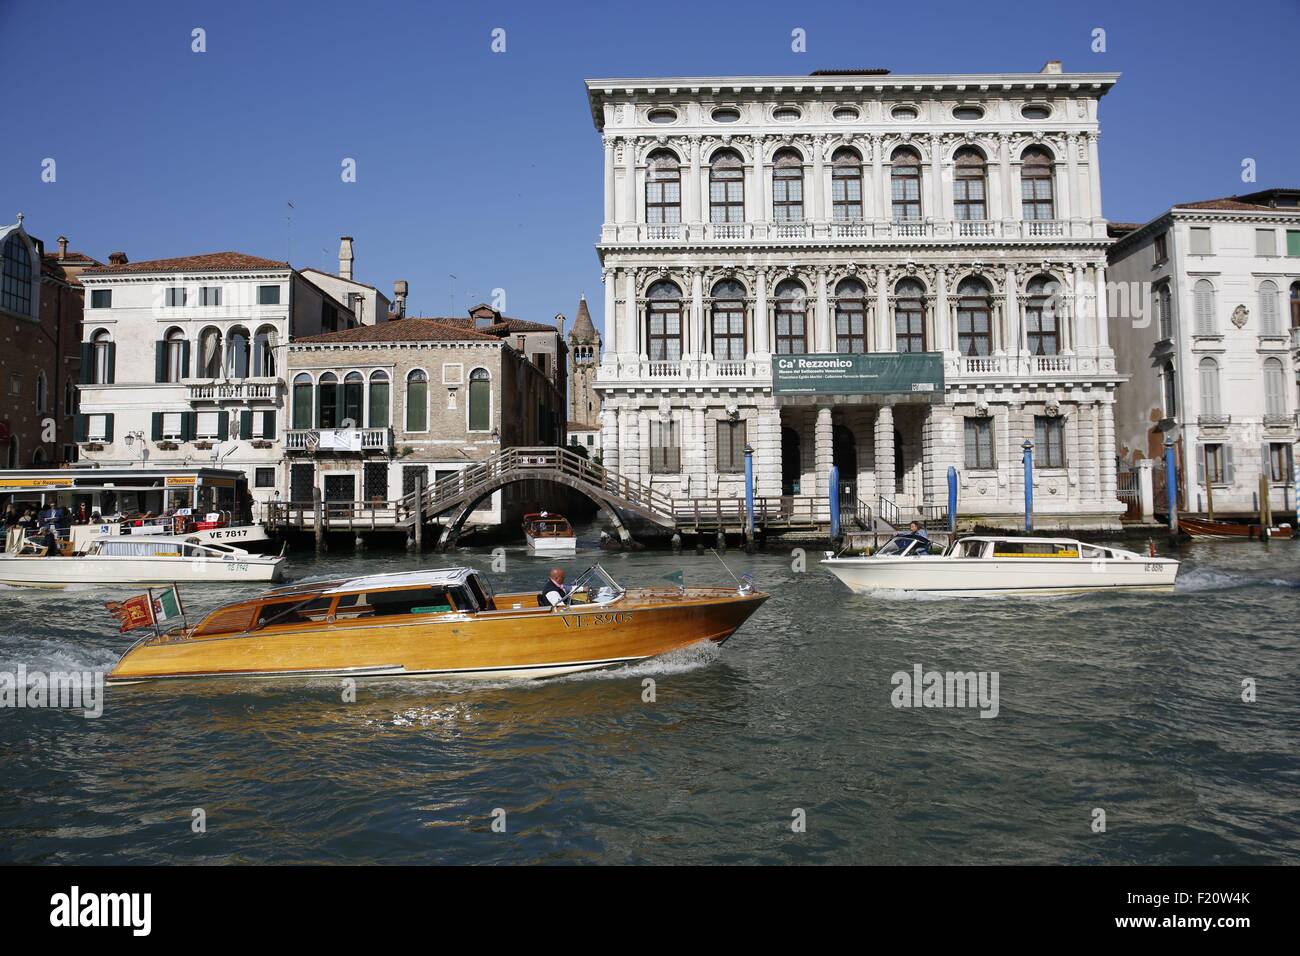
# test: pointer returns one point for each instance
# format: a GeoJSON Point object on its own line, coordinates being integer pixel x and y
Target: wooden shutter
{"type": "Point", "coordinates": [223, 426]}
{"type": "Point", "coordinates": [185, 359]}
{"type": "Point", "coordinates": [160, 361]}
{"type": "Point", "coordinates": [1203, 296]}
{"type": "Point", "coordinates": [245, 424]}
{"type": "Point", "coordinates": [87, 363]}
{"type": "Point", "coordinates": [268, 424]}
{"type": "Point", "coordinates": [108, 427]}
{"type": "Point", "coordinates": [111, 377]}
{"type": "Point", "coordinates": [189, 425]}
{"type": "Point", "coordinates": [157, 426]}
{"type": "Point", "coordinates": [80, 427]}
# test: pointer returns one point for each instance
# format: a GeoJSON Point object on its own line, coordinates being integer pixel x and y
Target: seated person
{"type": "Point", "coordinates": [553, 591]}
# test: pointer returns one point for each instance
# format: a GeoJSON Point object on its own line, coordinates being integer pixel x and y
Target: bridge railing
{"type": "Point", "coordinates": [772, 511]}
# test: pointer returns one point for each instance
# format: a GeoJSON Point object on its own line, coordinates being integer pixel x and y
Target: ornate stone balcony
{"type": "Point", "coordinates": [335, 440]}
{"type": "Point", "coordinates": [843, 229]}
{"type": "Point", "coordinates": [242, 390]}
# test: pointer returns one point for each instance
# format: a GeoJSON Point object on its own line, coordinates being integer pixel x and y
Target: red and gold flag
{"type": "Point", "coordinates": [132, 613]}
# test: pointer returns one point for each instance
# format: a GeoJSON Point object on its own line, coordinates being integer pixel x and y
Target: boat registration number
{"type": "Point", "coordinates": [597, 620]}
{"type": "Point", "coordinates": [238, 565]}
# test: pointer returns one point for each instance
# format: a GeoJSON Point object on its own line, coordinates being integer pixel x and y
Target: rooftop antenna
{"type": "Point", "coordinates": [288, 229]}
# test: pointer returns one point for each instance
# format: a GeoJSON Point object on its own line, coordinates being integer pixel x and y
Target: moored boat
{"type": "Point", "coordinates": [438, 623]}
{"type": "Point", "coordinates": [154, 559]}
{"type": "Point", "coordinates": [1211, 528]}
{"type": "Point", "coordinates": [977, 566]}
{"type": "Point", "coordinates": [548, 531]}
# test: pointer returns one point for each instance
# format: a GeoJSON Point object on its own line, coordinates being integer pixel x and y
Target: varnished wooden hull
{"type": "Point", "coordinates": [504, 644]}
{"type": "Point", "coordinates": [1204, 528]}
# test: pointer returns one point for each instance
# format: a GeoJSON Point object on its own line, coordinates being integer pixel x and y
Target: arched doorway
{"type": "Point", "coordinates": [845, 458]}
{"type": "Point", "coordinates": [791, 462]}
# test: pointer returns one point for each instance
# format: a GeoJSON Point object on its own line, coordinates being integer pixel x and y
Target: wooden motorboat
{"type": "Point", "coordinates": [548, 531]}
{"type": "Point", "coordinates": [1210, 528]}
{"type": "Point", "coordinates": [152, 559]}
{"type": "Point", "coordinates": [988, 565]}
{"type": "Point", "coordinates": [439, 623]}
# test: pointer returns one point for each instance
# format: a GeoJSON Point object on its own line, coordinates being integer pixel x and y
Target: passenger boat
{"type": "Point", "coordinates": [1208, 528]}
{"type": "Point", "coordinates": [155, 559]}
{"type": "Point", "coordinates": [988, 565]}
{"type": "Point", "coordinates": [438, 623]}
{"type": "Point", "coordinates": [546, 531]}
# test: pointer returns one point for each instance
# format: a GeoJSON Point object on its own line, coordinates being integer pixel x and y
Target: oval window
{"type": "Point", "coordinates": [726, 114]}
{"type": "Point", "coordinates": [968, 113]}
{"type": "Point", "coordinates": [662, 117]}
{"type": "Point", "coordinates": [786, 114]}
{"type": "Point", "coordinates": [1036, 112]}
{"type": "Point", "coordinates": [845, 113]}
{"type": "Point", "coordinates": [903, 113]}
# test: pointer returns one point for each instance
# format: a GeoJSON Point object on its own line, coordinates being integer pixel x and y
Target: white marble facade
{"type": "Point", "coordinates": [746, 217]}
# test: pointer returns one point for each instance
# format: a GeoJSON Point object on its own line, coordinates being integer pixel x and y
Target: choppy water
{"type": "Point", "coordinates": [1128, 703]}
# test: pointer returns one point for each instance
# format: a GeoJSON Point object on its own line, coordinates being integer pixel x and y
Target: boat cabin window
{"type": "Point", "coordinates": [482, 594]}
{"type": "Point", "coordinates": [1034, 549]}
{"type": "Point", "coordinates": [295, 611]}
{"type": "Point", "coordinates": [1094, 553]}
{"type": "Point", "coordinates": [971, 549]}
{"type": "Point", "coordinates": [404, 601]}
{"type": "Point", "coordinates": [907, 545]}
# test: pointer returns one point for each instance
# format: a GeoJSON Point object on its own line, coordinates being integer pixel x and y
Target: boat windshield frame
{"type": "Point", "coordinates": [598, 573]}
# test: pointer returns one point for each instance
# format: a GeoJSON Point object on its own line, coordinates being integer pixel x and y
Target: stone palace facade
{"type": "Point", "coordinates": [747, 219]}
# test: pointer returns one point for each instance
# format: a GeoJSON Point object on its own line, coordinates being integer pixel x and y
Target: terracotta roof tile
{"type": "Point", "coordinates": [503, 324]}
{"type": "Point", "coordinates": [401, 330]}
{"type": "Point", "coordinates": [209, 262]}
{"type": "Point", "coordinates": [1227, 203]}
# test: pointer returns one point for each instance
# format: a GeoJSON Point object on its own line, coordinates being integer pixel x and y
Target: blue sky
{"type": "Point", "coordinates": [487, 166]}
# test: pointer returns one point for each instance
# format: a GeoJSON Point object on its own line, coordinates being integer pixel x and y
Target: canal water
{"type": "Point", "coordinates": [781, 747]}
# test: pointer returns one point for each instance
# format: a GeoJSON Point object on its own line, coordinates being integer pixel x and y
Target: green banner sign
{"type": "Point", "coordinates": [915, 374]}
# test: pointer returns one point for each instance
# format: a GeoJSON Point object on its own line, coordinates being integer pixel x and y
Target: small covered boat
{"type": "Point", "coordinates": [439, 623]}
{"type": "Point", "coordinates": [1241, 530]}
{"type": "Point", "coordinates": [46, 562]}
{"type": "Point", "coordinates": [988, 565]}
{"type": "Point", "coordinates": [548, 531]}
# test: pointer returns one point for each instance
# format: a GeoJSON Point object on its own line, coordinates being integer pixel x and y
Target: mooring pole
{"type": "Point", "coordinates": [952, 499]}
{"type": "Point", "coordinates": [834, 486]}
{"type": "Point", "coordinates": [318, 519]}
{"type": "Point", "coordinates": [1028, 446]}
{"type": "Point", "coordinates": [1171, 486]}
{"type": "Point", "coordinates": [418, 513]}
{"type": "Point", "coordinates": [749, 492]}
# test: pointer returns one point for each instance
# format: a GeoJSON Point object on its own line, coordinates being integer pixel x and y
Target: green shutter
{"type": "Point", "coordinates": [245, 425]}
{"type": "Point", "coordinates": [223, 426]}
{"type": "Point", "coordinates": [1293, 242]}
{"type": "Point", "coordinates": [87, 363]}
{"type": "Point", "coordinates": [112, 363]}
{"type": "Point", "coordinates": [157, 426]}
{"type": "Point", "coordinates": [185, 359]}
{"type": "Point", "coordinates": [189, 425]}
{"type": "Point", "coordinates": [160, 361]}
{"type": "Point", "coordinates": [108, 427]}
{"type": "Point", "coordinates": [268, 424]}
{"type": "Point", "coordinates": [79, 427]}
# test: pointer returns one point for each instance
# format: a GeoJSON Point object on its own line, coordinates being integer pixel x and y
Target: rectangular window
{"type": "Point", "coordinates": [101, 298]}
{"type": "Point", "coordinates": [175, 297]}
{"type": "Point", "coordinates": [207, 425]}
{"type": "Point", "coordinates": [1280, 463]}
{"type": "Point", "coordinates": [268, 295]}
{"type": "Point", "coordinates": [665, 451]}
{"type": "Point", "coordinates": [1293, 242]}
{"type": "Point", "coordinates": [1162, 248]}
{"type": "Point", "coordinates": [210, 295]}
{"type": "Point", "coordinates": [1049, 441]}
{"type": "Point", "coordinates": [979, 444]}
{"type": "Point", "coordinates": [1265, 242]}
{"type": "Point", "coordinates": [171, 425]}
{"type": "Point", "coordinates": [731, 447]}
{"type": "Point", "coordinates": [1212, 462]}
{"type": "Point", "coordinates": [1200, 236]}
{"type": "Point", "coordinates": [96, 427]}
{"type": "Point", "coordinates": [264, 478]}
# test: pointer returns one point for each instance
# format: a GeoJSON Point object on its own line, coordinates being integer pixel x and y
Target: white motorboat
{"type": "Point", "coordinates": [549, 532]}
{"type": "Point", "coordinates": [988, 565]}
{"type": "Point", "coordinates": [152, 559]}
{"type": "Point", "coordinates": [207, 529]}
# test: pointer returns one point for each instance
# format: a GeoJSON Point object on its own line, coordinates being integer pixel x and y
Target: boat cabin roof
{"type": "Point", "coordinates": [439, 577]}
{"type": "Point", "coordinates": [1019, 539]}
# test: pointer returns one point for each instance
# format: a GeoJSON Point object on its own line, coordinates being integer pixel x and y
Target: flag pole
{"type": "Point", "coordinates": [152, 616]}
{"type": "Point", "coordinates": [185, 620]}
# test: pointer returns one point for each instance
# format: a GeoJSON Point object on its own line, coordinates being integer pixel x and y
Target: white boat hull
{"type": "Point", "coordinates": [29, 571]}
{"type": "Point", "coordinates": [569, 543]}
{"type": "Point", "coordinates": [961, 577]}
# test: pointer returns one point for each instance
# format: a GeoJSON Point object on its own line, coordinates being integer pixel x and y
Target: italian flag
{"type": "Point", "coordinates": [167, 605]}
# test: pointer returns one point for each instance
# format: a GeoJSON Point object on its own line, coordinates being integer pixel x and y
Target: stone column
{"type": "Point", "coordinates": [942, 341]}
{"type": "Point", "coordinates": [609, 433]}
{"type": "Point", "coordinates": [879, 182]}
{"type": "Point", "coordinates": [1014, 340]}
{"type": "Point", "coordinates": [1103, 318]}
{"type": "Point", "coordinates": [1106, 453]}
{"type": "Point", "coordinates": [767, 452]}
{"type": "Point", "coordinates": [631, 455]}
{"type": "Point", "coordinates": [1072, 167]}
{"type": "Point", "coordinates": [758, 207]}
{"type": "Point", "coordinates": [629, 180]}
{"type": "Point", "coordinates": [1094, 175]}
{"type": "Point", "coordinates": [1080, 312]}
{"type": "Point", "coordinates": [822, 341]}
{"type": "Point", "coordinates": [695, 340]}
{"type": "Point", "coordinates": [937, 210]}
{"type": "Point", "coordinates": [817, 200]}
{"type": "Point", "coordinates": [693, 188]}
{"type": "Point", "coordinates": [1006, 210]}
{"type": "Point", "coordinates": [884, 446]}
{"type": "Point", "coordinates": [700, 454]}
{"type": "Point", "coordinates": [629, 337]}
{"type": "Point", "coordinates": [761, 344]}
{"type": "Point", "coordinates": [823, 457]}
{"type": "Point", "coordinates": [609, 182]}
{"type": "Point", "coordinates": [884, 335]}
{"type": "Point", "coordinates": [610, 343]}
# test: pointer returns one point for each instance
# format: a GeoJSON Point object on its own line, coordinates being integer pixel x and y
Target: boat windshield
{"type": "Point", "coordinates": [905, 544]}
{"type": "Point", "coordinates": [594, 586]}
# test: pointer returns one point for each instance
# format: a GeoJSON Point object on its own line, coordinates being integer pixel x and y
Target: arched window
{"type": "Point", "coordinates": [38, 457]}
{"type": "Point", "coordinates": [727, 341]}
{"type": "Point", "coordinates": [846, 185]}
{"type": "Point", "coordinates": [1209, 381]}
{"type": "Point", "coordinates": [663, 188]}
{"type": "Point", "coordinates": [101, 348]}
{"type": "Point", "coordinates": [1042, 316]}
{"type": "Point", "coordinates": [974, 317]}
{"type": "Point", "coordinates": [791, 318]}
{"type": "Point", "coordinates": [238, 348]}
{"type": "Point", "coordinates": [1036, 189]}
{"type": "Point", "coordinates": [664, 322]}
{"type": "Point", "coordinates": [210, 353]}
{"type": "Point", "coordinates": [417, 401]}
{"type": "Point", "coordinates": [1295, 305]}
{"type": "Point", "coordinates": [327, 401]}
{"type": "Point", "coordinates": [726, 187]}
{"type": "Point", "coordinates": [1203, 306]}
{"type": "Point", "coordinates": [264, 343]}
{"type": "Point", "coordinates": [787, 186]}
{"type": "Point", "coordinates": [174, 356]}
{"type": "Point", "coordinates": [1274, 388]}
{"type": "Point", "coordinates": [850, 316]}
{"type": "Point", "coordinates": [905, 184]}
{"type": "Point", "coordinates": [302, 400]}
{"type": "Point", "coordinates": [968, 187]}
{"type": "Point", "coordinates": [480, 400]}
{"type": "Point", "coordinates": [353, 396]}
{"type": "Point", "coordinates": [378, 417]}
{"type": "Point", "coordinates": [1171, 391]}
{"type": "Point", "coordinates": [16, 283]}
{"type": "Point", "coordinates": [1164, 308]}
{"type": "Point", "coordinates": [909, 316]}
{"type": "Point", "coordinates": [42, 393]}
{"type": "Point", "coordinates": [1269, 323]}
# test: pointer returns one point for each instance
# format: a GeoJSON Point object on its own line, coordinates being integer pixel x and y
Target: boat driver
{"type": "Point", "coordinates": [553, 591]}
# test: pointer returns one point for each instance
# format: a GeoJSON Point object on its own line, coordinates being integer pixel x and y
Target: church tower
{"type": "Point", "coordinates": [584, 350]}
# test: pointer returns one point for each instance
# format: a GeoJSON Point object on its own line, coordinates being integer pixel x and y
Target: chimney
{"type": "Point", "coordinates": [345, 257]}
{"type": "Point", "coordinates": [559, 323]}
{"type": "Point", "coordinates": [400, 289]}
{"type": "Point", "coordinates": [1051, 66]}
{"type": "Point", "coordinates": [63, 248]}
{"type": "Point", "coordinates": [117, 259]}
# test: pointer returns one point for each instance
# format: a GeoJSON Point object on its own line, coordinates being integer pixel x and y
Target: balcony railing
{"type": "Point", "coordinates": [1036, 228]}
{"type": "Point", "coordinates": [879, 229]}
{"type": "Point", "coordinates": [851, 229]}
{"type": "Point", "coordinates": [1278, 420]}
{"type": "Point", "coordinates": [242, 391]}
{"type": "Point", "coordinates": [1212, 419]}
{"type": "Point", "coordinates": [315, 440]}
{"type": "Point", "coordinates": [695, 370]}
{"type": "Point", "coordinates": [911, 228]}
{"type": "Point", "coordinates": [664, 231]}
{"type": "Point", "coordinates": [976, 228]}
{"type": "Point", "coordinates": [792, 230]}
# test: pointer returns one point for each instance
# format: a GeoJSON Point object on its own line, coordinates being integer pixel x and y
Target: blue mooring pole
{"type": "Point", "coordinates": [1171, 485]}
{"type": "Point", "coordinates": [1028, 446]}
{"type": "Point", "coordinates": [835, 501]}
{"type": "Point", "coordinates": [952, 499]}
{"type": "Point", "coordinates": [749, 488]}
